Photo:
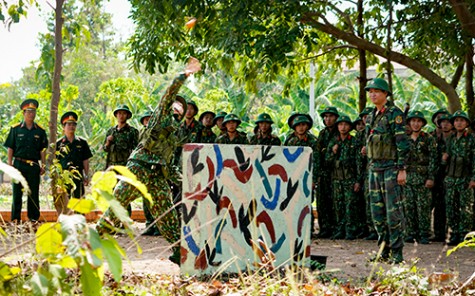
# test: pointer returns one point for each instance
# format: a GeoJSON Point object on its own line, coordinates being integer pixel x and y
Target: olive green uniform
{"type": "Point", "coordinates": [125, 141]}
{"type": "Point", "coordinates": [241, 138]}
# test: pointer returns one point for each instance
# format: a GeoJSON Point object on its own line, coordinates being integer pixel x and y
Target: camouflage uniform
{"type": "Point", "coordinates": [387, 147]}
{"type": "Point", "coordinates": [421, 166]}
{"type": "Point", "coordinates": [125, 140]}
{"type": "Point", "coordinates": [343, 175]}
{"type": "Point", "coordinates": [241, 137]}
{"type": "Point", "coordinates": [151, 163]}
{"type": "Point", "coordinates": [460, 171]}
{"type": "Point", "coordinates": [260, 138]}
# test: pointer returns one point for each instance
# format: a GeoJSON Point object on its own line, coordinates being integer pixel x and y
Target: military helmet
{"type": "Point", "coordinates": [231, 117]}
{"type": "Point", "coordinates": [416, 114]}
{"type": "Point", "coordinates": [379, 83]}
{"type": "Point", "coordinates": [331, 110]}
{"type": "Point", "coordinates": [366, 111]}
{"type": "Point", "coordinates": [192, 103]}
{"type": "Point", "coordinates": [69, 116]}
{"type": "Point", "coordinates": [146, 114]}
{"type": "Point", "coordinates": [264, 117]}
{"type": "Point", "coordinates": [344, 118]}
{"type": "Point", "coordinates": [31, 104]}
{"type": "Point", "coordinates": [443, 117]}
{"type": "Point", "coordinates": [206, 113]}
{"type": "Point", "coordinates": [220, 114]}
{"type": "Point", "coordinates": [123, 108]}
{"type": "Point", "coordinates": [440, 111]}
{"type": "Point", "coordinates": [297, 118]}
{"type": "Point", "coordinates": [357, 119]}
{"type": "Point", "coordinates": [460, 113]}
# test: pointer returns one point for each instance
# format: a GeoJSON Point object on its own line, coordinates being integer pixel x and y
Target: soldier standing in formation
{"type": "Point", "coordinates": [421, 170]}
{"type": "Point", "coordinates": [73, 154]}
{"type": "Point", "coordinates": [459, 157]}
{"type": "Point", "coordinates": [207, 135]}
{"type": "Point", "coordinates": [232, 136]}
{"type": "Point", "coordinates": [341, 156]}
{"type": "Point", "coordinates": [387, 148]}
{"type": "Point", "coordinates": [218, 121]}
{"type": "Point", "coordinates": [263, 132]}
{"type": "Point", "coordinates": [27, 142]}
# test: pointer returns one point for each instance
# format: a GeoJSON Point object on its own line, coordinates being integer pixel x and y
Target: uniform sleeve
{"type": "Point", "coordinates": [398, 126]}
{"type": "Point", "coordinates": [10, 141]}
{"type": "Point", "coordinates": [87, 152]}
{"type": "Point", "coordinates": [433, 154]}
{"type": "Point", "coordinates": [44, 143]}
{"type": "Point", "coordinates": [109, 132]}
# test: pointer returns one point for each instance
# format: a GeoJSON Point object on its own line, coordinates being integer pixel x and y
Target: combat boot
{"type": "Point", "coordinates": [396, 256]}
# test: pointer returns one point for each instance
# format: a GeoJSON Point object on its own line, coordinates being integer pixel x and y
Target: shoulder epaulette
{"type": "Point", "coordinates": [16, 125]}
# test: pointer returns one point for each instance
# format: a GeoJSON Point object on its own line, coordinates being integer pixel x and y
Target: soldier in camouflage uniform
{"type": "Point", "coordinates": [218, 121]}
{"type": "Point", "coordinates": [301, 124]}
{"type": "Point", "coordinates": [460, 180]}
{"type": "Point", "coordinates": [263, 132]}
{"type": "Point", "coordinates": [421, 169]}
{"type": "Point", "coordinates": [120, 139]}
{"type": "Point", "coordinates": [326, 213]}
{"type": "Point", "coordinates": [151, 162]}
{"type": "Point", "coordinates": [387, 147]}
{"type": "Point", "coordinates": [207, 121]}
{"type": "Point", "coordinates": [232, 135]}
{"type": "Point", "coordinates": [438, 191]}
{"type": "Point", "coordinates": [341, 155]}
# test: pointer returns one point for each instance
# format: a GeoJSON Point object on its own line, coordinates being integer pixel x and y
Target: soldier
{"type": "Point", "coordinates": [218, 121]}
{"type": "Point", "coordinates": [387, 147]}
{"type": "Point", "coordinates": [362, 166]}
{"type": "Point", "coordinates": [73, 155]}
{"type": "Point", "coordinates": [421, 170]}
{"type": "Point", "coordinates": [190, 128]}
{"type": "Point", "coordinates": [263, 132]}
{"type": "Point", "coordinates": [341, 155]}
{"type": "Point", "coordinates": [207, 121]}
{"type": "Point", "coordinates": [150, 230]}
{"type": "Point", "coordinates": [460, 180]}
{"type": "Point", "coordinates": [120, 139]}
{"type": "Point", "coordinates": [359, 125]}
{"type": "Point", "coordinates": [435, 118]}
{"type": "Point", "coordinates": [26, 142]}
{"type": "Point", "coordinates": [301, 124]}
{"type": "Point", "coordinates": [232, 135]}
{"type": "Point", "coordinates": [438, 191]}
{"type": "Point", "coordinates": [325, 209]}
{"type": "Point", "coordinates": [151, 162]}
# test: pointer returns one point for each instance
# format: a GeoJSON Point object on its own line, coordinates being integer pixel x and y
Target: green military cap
{"type": "Point", "coordinates": [192, 103]}
{"type": "Point", "coordinates": [379, 83]}
{"type": "Point", "coordinates": [31, 104]}
{"type": "Point", "coordinates": [416, 114]}
{"type": "Point", "coordinates": [331, 110]}
{"type": "Point", "coordinates": [264, 117]}
{"type": "Point", "coordinates": [297, 118]}
{"type": "Point", "coordinates": [146, 114]}
{"type": "Point", "coordinates": [69, 117]}
{"type": "Point", "coordinates": [366, 111]}
{"type": "Point", "coordinates": [440, 111]}
{"type": "Point", "coordinates": [220, 114]}
{"type": "Point", "coordinates": [123, 108]}
{"type": "Point", "coordinates": [358, 119]}
{"type": "Point", "coordinates": [444, 117]}
{"type": "Point", "coordinates": [460, 113]}
{"type": "Point", "coordinates": [344, 118]}
{"type": "Point", "coordinates": [206, 113]}
{"type": "Point", "coordinates": [231, 117]}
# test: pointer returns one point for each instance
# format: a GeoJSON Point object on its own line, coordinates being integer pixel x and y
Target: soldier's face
{"type": "Point", "coordinates": [69, 127]}
{"type": "Point", "coordinates": [145, 121]}
{"type": "Point", "coordinates": [219, 123]}
{"type": "Point", "coordinates": [416, 124]}
{"type": "Point", "coordinates": [29, 114]}
{"type": "Point", "coordinates": [437, 119]}
{"type": "Point", "coordinates": [121, 116]}
{"type": "Point", "coordinates": [364, 119]}
{"type": "Point", "coordinates": [360, 125]}
{"type": "Point", "coordinates": [301, 128]}
{"type": "Point", "coordinates": [378, 97]}
{"type": "Point", "coordinates": [329, 119]}
{"type": "Point", "coordinates": [344, 128]}
{"type": "Point", "coordinates": [231, 126]}
{"type": "Point", "coordinates": [190, 112]}
{"type": "Point", "coordinates": [460, 124]}
{"type": "Point", "coordinates": [264, 126]}
{"type": "Point", "coordinates": [178, 110]}
{"type": "Point", "coordinates": [207, 120]}
{"type": "Point", "coordinates": [446, 126]}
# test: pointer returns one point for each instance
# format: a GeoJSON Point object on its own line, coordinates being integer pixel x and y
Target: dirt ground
{"type": "Point", "coordinates": [346, 260]}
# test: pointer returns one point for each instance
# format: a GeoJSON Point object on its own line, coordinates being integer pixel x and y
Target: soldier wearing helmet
{"type": "Point", "coordinates": [263, 131]}
{"type": "Point", "coordinates": [232, 136]}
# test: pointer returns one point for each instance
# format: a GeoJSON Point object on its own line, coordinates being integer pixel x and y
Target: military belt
{"type": "Point", "coordinates": [28, 161]}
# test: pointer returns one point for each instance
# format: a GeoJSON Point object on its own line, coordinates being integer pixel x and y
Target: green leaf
{"type": "Point", "coordinates": [81, 205]}
{"type": "Point", "coordinates": [112, 252]}
{"type": "Point", "coordinates": [137, 184]}
{"type": "Point", "coordinates": [49, 239]}
{"type": "Point", "coordinates": [104, 181]}
{"type": "Point", "coordinates": [90, 280]}
{"type": "Point", "coordinates": [39, 284]}
{"type": "Point", "coordinates": [15, 175]}
{"type": "Point", "coordinates": [7, 273]}
{"type": "Point", "coordinates": [73, 229]}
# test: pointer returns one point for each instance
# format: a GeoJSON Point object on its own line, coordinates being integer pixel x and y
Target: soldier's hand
{"type": "Point", "coordinates": [42, 171]}
{"type": "Point", "coordinates": [356, 187]}
{"type": "Point", "coordinates": [445, 157]}
{"type": "Point", "coordinates": [193, 66]}
{"type": "Point", "coordinates": [429, 183]}
{"type": "Point", "coordinates": [335, 149]}
{"type": "Point", "coordinates": [471, 184]}
{"type": "Point", "coordinates": [110, 139]}
{"type": "Point", "coordinates": [363, 150]}
{"type": "Point", "coordinates": [401, 177]}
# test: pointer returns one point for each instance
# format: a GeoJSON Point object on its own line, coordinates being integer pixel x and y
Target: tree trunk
{"type": "Point", "coordinates": [469, 81]}
{"type": "Point", "coordinates": [465, 17]}
{"type": "Point", "coordinates": [452, 96]}
{"type": "Point", "coordinates": [363, 79]}
{"type": "Point", "coordinates": [389, 69]}
{"type": "Point", "coordinates": [53, 115]}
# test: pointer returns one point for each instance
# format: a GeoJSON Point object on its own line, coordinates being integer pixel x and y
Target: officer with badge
{"type": "Point", "coordinates": [26, 143]}
{"type": "Point", "coordinates": [73, 154]}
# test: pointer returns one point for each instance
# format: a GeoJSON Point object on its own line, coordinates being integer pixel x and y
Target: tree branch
{"type": "Point", "coordinates": [326, 52]}
{"type": "Point", "coordinates": [465, 17]}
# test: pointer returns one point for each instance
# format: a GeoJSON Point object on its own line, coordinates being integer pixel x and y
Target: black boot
{"type": "Point", "coordinates": [396, 255]}
{"type": "Point", "coordinates": [454, 240]}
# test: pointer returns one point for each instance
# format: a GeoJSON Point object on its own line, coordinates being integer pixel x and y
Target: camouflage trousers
{"type": "Point", "coordinates": [157, 186]}
{"type": "Point", "coordinates": [459, 204]}
{"type": "Point", "coordinates": [417, 205]}
{"type": "Point", "coordinates": [369, 218]}
{"type": "Point", "coordinates": [438, 204]}
{"type": "Point", "coordinates": [387, 207]}
{"type": "Point", "coordinates": [325, 210]}
{"type": "Point", "coordinates": [345, 203]}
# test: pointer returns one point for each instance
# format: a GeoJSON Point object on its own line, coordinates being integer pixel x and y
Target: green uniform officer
{"type": "Point", "coordinates": [387, 147]}
{"type": "Point", "coordinates": [73, 154]}
{"type": "Point", "coordinates": [26, 142]}
{"type": "Point", "coordinates": [232, 136]}
{"type": "Point", "coordinates": [263, 132]}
